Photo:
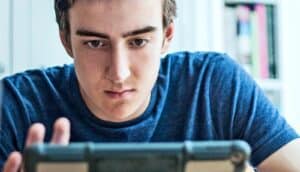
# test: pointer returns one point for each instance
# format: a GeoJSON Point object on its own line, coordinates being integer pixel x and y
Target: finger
{"type": "Point", "coordinates": [61, 133]}
{"type": "Point", "coordinates": [13, 162]}
{"type": "Point", "coordinates": [36, 134]}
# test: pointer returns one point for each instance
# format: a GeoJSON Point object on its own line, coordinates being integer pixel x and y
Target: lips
{"type": "Point", "coordinates": [119, 93]}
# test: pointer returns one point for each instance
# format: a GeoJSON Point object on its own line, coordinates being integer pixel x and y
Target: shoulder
{"type": "Point", "coordinates": [198, 55]}
{"type": "Point", "coordinates": [198, 59]}
{"type": "Point", "coordinates": [39, 74]}
{"type": "Point", "coordinates": [37, 77]}
{"type": "Point", "coordinates": [26, 95]}
{"type": "Point", "coordinates": [202, 64]}
{"type": "Point", "coordinates": [27, 89]}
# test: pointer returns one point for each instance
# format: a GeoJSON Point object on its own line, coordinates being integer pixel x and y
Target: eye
{"type": "Point", "coordinates": [95, 44]}
{"type": "Point", "coordinates": [138, 43]}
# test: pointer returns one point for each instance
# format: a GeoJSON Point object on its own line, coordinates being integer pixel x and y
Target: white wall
{"type": "Point", "coordinates": [183, 39]}
{"type": "Point", "coordinates": [46, 47]}
{"type": "Point", "coordinates": [289, 25]}
{"type": "Point", "coordinates": [21, 35]}
{"type": "Point", "coordinates": [4, 37]}
{"type": "Point", "coordinates": [35, 39]}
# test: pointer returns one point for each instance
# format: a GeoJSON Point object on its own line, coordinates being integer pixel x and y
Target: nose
{"type": "Point", "coordinates": [118, 68]}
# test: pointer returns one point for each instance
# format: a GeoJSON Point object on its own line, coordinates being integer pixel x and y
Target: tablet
{"type": "Point", "coordinates": [190, 156]}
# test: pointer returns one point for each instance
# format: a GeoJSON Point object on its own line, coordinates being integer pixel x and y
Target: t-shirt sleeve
{"type": "Point", "coordinates": [13, 122]}
{"type": "Point", "coordinates": [247, 112]}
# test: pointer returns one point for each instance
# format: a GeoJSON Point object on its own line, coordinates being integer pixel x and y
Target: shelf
{"type": "Point", "coordinates": [269, 84]}
{"type": "Point", "coordinates": [267, 2]}
{"type": "Point", "coordinates": [273, 90]}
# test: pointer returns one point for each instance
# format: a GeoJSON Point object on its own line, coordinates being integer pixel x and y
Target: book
{"type": "Point", "coordinates": [250, 38]}
{"type": "Point", "coordinates": [255, 45]}
{"type": "Point", "coordinates": [244, 36]}
{"type": "Point", "coordinates": [230, 32]}
{"type": "Point", "coordinates": [271, 42]}
{"type": "Point", "coordinates": [262, 39]}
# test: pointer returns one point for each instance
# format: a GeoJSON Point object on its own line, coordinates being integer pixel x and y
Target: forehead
{"type": "Point", "coordinates": [116, 13]}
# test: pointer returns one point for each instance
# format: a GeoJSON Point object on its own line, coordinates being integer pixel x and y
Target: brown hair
{"type": "Point", "coordinates": [62, 7]}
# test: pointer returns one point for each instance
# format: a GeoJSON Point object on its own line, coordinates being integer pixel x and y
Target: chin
{"type": "Point", "coordinates": [122, 114]}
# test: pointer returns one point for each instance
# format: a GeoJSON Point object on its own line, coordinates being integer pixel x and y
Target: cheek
{"type": "Point", "coordinates": [86, 67]}
{"type": "Point", "coordinates": [146, 66]}
{"type": "Point", "coordinates": [89, 62]}
{"type": "Point", "coordinates": [89, 68]}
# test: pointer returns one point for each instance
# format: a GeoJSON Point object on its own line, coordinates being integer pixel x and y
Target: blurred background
{"type": "Point", "coordinates": [262, 35]}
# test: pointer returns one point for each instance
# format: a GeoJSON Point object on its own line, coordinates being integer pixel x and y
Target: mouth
{"type": "Point", "coordinates": [120, 94]}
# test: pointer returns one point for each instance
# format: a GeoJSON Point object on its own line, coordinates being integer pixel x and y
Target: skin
{"type": "Point", "coordinates": [105, 72]}
{"type": "Point", "coordinates": [285, 159]}
{"type": "Point", "coordinates": [117, 60]}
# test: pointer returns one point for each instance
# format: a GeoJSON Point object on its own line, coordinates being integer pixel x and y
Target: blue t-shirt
{"type": "Point", "coordinates": [197, 96]}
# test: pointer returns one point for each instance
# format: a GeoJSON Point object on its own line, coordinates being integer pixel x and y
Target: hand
{"type": "Point", "coordinates": [36, 134]}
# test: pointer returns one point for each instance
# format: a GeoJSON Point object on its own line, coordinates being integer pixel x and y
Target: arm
{"type": "Point", "coordinates": [285, 159]}
{"type": "Point", "coordinates": [250, 116]}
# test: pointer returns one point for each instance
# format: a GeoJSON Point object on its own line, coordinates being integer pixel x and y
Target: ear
{"type": "Point", "coordinates": [168, 36]}
{"type": "Point", "coordinates": [66, 42]}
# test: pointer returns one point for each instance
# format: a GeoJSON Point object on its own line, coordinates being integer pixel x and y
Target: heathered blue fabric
{"type": "Point", "coordinates": [197, 96]}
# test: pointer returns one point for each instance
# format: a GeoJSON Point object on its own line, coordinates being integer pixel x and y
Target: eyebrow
{"type": "Point", "coordinates": [84, 32]}
{"type": "Point", "coordinates": [146, 29]}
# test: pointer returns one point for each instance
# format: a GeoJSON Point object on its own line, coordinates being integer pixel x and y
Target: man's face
{"type": "Point", "coordinates": [116, 46]}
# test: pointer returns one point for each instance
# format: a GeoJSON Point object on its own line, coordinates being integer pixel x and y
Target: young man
{"type": "Point", "coordinates": [120, 90]}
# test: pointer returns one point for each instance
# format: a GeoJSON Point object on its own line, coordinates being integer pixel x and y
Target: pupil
{"type": "Point", "coordinates": [95, 43]}
{"type": "Point", "coordinates": [138, 42]}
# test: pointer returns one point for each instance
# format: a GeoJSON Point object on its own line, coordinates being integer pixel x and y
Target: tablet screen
{"type": "Point", "coordinates": [210, 166]}
{"type": "Point", "coordinates": [62, 166]}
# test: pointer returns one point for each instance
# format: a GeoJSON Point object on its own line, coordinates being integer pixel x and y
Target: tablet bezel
{"type": "Point", "coordinates": [153, 157]}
